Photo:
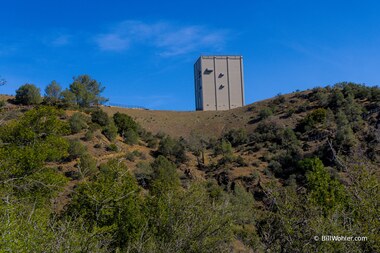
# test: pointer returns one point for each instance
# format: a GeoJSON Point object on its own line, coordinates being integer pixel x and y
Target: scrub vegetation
{"type": "Point", "coordinates": [76, 176]}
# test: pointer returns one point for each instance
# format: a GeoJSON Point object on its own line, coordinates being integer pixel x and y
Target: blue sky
{"type": "Point", "coordinates": [144, 51]}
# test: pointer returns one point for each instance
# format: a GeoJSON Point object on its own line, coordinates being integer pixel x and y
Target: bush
{"type": "Point", "coordinates": [152, 143]}
{"type": "Point", "coordinates": [78, 122]}
{"type": "Point", "coordinates": [76, 149]}
{"type": "Point", "coordinates": [28, 94]}
{"type": "Point", "coordinates": [223, 147]}
{"type": "Point", "coordinates": [313, 119]}
{"type": "Point", "coordinates": [265, 113]}
{"type": "Point", "coordinates": [124, 123]}
{"type": "Point", "coordinates": [2, 103]}
{"type": "Point", "coordinates": [112, 147]}
{"type": "Point", "coordinates": [172, 149]}
{"type": "Point", "coordinates": [236, 137]}
{"type": "Point", "coordinates": [87, 165]}
{"type": "Point", "coordinates": [110, 131]}
{"type": "Point", "coordinates": [89, 135]}
{"type": "Point", "coordinates": [100, 117]}
{"type": "Point", "coordinates": [131, 137]}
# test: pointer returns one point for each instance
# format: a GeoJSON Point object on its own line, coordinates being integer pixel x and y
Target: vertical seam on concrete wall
{"type": "Point", "coordinates": [228, 83]}
{"type": "Point", "coordinates": [242, 81]}
{"type": "Point", "coordinates": [216, 95]}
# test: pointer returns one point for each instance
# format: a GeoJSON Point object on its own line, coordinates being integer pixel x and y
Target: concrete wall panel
{"type": "Point", "coordinates": [222, 87]}
{"type": "Point", "coordinates": [208, 85]}
{"type": "Point", "coordinates": [236, 87]}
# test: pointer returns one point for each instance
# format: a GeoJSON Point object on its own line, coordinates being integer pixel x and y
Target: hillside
{"type": "Point", "coordinates": [265, 177]}
{"type": "Point", "coordinates": [207, 123]}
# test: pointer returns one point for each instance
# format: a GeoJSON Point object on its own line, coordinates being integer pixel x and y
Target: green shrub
{"type": "Point", "coordinates": [236, 137]}
{"type": "Point", "coordinates": [89, 135]}
{"type": "Point", "coordinates": [100, 117]}
{"type": "Point", "coordinates": [110, 131]}
{"type": "Point", "coordinates": [124, 123]}
{"type": "Point", "coordinates": [132, 155]}
{"type": "Point", "coordinates": [2, 103]}
{"type": "Point", "coordinates": [87, 165]}
{"type": "Point", "coordinates": [265, 113]}
{"type": "Point", "coordinates": [78, 122]}
{"type": "Point", "coordinates": [28, 94]}
{"type": "Point", "coordinates": [112, 147]}
{"type": "Point", "coordinates": [172, 149]}
{"type": "Point", "coordinates": [131, 137]}
{"type": "Point", "coordinates": [152, 143]}
{"type": "Point", "coordinates": [312, 120]}
{"type": "Point", "coordinates": [76, 149]}
{"type": "Point", "coordinates": [223, 147]}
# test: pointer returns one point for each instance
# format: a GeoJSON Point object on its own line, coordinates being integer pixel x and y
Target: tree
{"type": "Point", "coordinates": [87, 91]}
{"type": "Point", "coordinates": [28, 94]}
{"type": "Point", "coordinates": [53, 92]}
{"type": "Point", "coordinates": [68, 98]}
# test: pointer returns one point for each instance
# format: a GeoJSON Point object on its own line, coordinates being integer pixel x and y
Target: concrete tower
{"type": "Point", "coordinates": [219, 83]}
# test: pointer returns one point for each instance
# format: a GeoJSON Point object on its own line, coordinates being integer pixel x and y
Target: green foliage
{"type": "Point", "coordinates": [2, 103]}
{"type": "Point", "coordinates": [336, 99]}
{"type": "Point", "coordinates": [87, 91]}
{"type": "Point", "coordinates": [313, 120]}
{"type": "Point", "coordinates": [224, 148]}
{"type": "Point", "coordinates": [68, 98]}
{"type": "Point", "coordinates": [87, 165]}
{"type": "Point", "coordinates": [76, 149]}
{"type": "Point", "coordinates": [112, 147]}
{"type": "Point", "coordinates": [236, 136]}
{"type": "Point", "coordinates": [125, 123]}
{"type": "Point", "coordinates": [111, 204]}
{"type": "Point", "coordinates": [78, 121]}
{"type": "Point", "coordinates": [53, 92]}
{"type": "Point", "coordinates": [26, 228]}
{"type": "Point", "coordinates": [189, 221]}
{"type": "Point", "coordinates": [172, 149]}
{"type": "Point", "coordinates": [375, 94]}
{"type": "Point", "coordinates": [131, 137]}
{"type": "Point", "coordinates": [324, 191]}
{"type": "Point", "coordinates": [345, 138]}
{"type": "Point", "coordinates": [28, 94]}
{"type": "Point", "coordinates": [100, 117]}
{"type": "Point", "coordinates": [110, 131]}
{"type": "Point", "coordinates": [165, 176]}
{"type": "Point", "coordinates": [265, 113]}
{"type": "Point", "coordinates": [89, 135]}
